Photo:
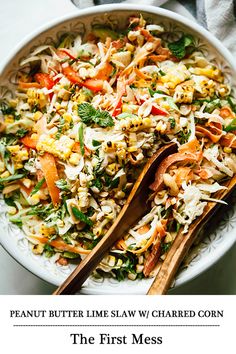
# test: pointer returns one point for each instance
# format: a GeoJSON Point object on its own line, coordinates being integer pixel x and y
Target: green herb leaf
{"type": "Point", "coordinates": [63, 185]}
{"type": "Point", "coordinates": [172, 122]}
{"type": "Point", "coordinates": [185, 45]}
{"type": "Point", "coordinates": [165, 247]}
{"type": "Point", "coordinates": [97, 183]}
{"type": "Point", "coordinates": [81, 138]}
{"type": "Point", "coordinates": [86, 112]}
{"type": "Point", "coordinates": [103, 118]}
{"type": "Point", "coordinates": [81, 216]}
{"type": "Point", "coordinates": [21, 132]}
{"type": "Point", "coordinates": [88, 115]}
{"type": "Point", "coordinates": [12, 178]}
{"type": "Point", "coordinates": [96, 143]}
{"type": "Point", "coordinates": [231, 126]}
{"type": "Point", "coordinates": [38, 186]}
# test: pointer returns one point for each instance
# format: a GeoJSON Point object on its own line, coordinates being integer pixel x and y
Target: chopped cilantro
{"type": "Point", "coordinates": [172, 122]}
{"type": "Point", "coordinates": [96, 143]}
{"type": "Point", "coordinates": [182, 47]}
{"type": "Point", "coordinates": [89, 115]}
{"type": "Point", "coordinates": [21, 132]}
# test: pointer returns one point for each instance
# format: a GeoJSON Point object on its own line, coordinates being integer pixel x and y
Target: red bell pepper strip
{"type": "Point", "coordinates": [73, 76]}
{"type": "Point", "coordinates": [44, 80]}
{"type": "Point", "coordinates": [155, 110]}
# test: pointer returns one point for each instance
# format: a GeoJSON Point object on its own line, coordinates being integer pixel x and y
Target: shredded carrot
{"type": "Point", "coordinates": [61, 245]}
{"type": "Point", "coordinates": [226, 112]}
{"type": "Point", "coordinates": [27, 85]}
{"type": "Point", "coordinates": [166, 163]}
{"type": "Point", "coordinates": [214, 137]}
{"type": "Point", "coordinates": [50, 173]}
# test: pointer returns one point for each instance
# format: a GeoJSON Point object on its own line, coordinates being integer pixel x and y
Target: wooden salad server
{"type": "Point", "coordinates": [183, 242]}
{"type": "Point", "coordinates": [135, 207]}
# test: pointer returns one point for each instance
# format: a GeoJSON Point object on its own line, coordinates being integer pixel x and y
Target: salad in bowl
{"type": "Point", "coordinates": [87, 113]}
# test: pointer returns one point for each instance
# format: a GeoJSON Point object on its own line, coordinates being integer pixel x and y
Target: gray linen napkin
{"type": "Point", "coordinates": [218, 16]}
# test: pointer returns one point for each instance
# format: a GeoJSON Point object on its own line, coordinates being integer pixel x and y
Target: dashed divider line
{"type": "Point", "coordinates": [116, 325]}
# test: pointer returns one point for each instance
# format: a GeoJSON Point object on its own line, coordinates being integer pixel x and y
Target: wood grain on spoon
{"type": "Point", "coordinates": [135, 207]}
{"type": "Point", "coordinates": [183, 242]}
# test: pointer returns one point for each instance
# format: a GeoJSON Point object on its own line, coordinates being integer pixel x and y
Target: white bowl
{"type": "Point", "coordinates": [216, 242]}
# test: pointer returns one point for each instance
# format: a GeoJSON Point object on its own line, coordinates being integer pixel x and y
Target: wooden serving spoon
{"type": "Point", "coordinates": [135, 207]}
{"type": "Point", "coordinates": [183, 242]}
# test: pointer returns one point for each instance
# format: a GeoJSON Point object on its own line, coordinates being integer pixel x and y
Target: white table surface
{"type": "Point", "coordinates": [17, 19]}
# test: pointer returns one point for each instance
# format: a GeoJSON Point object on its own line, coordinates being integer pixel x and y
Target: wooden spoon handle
{"type": "Point", "coordinates": [182, 244]}
{"type": "Point", "coordinates": [135, 207]}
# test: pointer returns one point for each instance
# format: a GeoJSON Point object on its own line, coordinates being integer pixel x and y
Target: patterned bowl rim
{"type": "Point", "coordinates": [112, 8]}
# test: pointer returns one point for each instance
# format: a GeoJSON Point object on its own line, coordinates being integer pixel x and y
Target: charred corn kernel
{"type": "Point", "coordinates": [130, 47]}
{"type": "Point", "coordinates": [121, 154]}
{"type": "Point", "coordinates": [161, 127]}
{"type": "Point", "coordinates": [2, 166]}
{"type": "Point", "coordinates": [175, 75]}
{"type": "Point", "coordinates": [184, 93]}
{"type": "Point", "coordinates": [11, 210]}
{"type": "Point", "coordinates": [64, 94]}
{"type": "Point", "coordinates": [209, 71]}
{"type": "Point", "coordinates": [18, 165]}
{"type": "Point", "coordinates": [119, 195]}
{"type": "Point", "coordinates": [132, 148]}
{"type": "Point", "coordinates": [139, 268]}
{"type": "Point", "coordinates": [227, 149]}
{"type": "Point", "coordinates": [14, 149]}
{"type": "Point", "coordinates": [83, 197]}
{"type": "Point", "coordinates": [147, 122]}
{"type": "Point", "coordinates": [119, 263]}
{"type": "Point", "coordinates": [111, 169]}
{"type": "Point", "coordinates": [67, 117]}
{"type": "Point", "coordinates": [203, 86]}
{"type": "Point", "coordinates": [109, 146]}
{"type": "Point", "coordinates": [223, 90]}
{"type": "Point", "coordinates": [37, 249]}
{"type": "Point", "coordinates": [132, 276]}
{"type": "Point", "coordinates": [111, 261]}
{"type": "Point", "coordinates": [5, 174]}
{"type": "Point", "coordinates": [61, 148]}
{"type": "Point", "coordinates": [74, 158]}
{"type": "Point", "coordinates": [47, 231]}
{"type": "Point", "coordinates": [26, 182]}
{"type": "Point", "coordinates": [21, 155]}
{"type": "Point", "coordinates": [36, 98]}
{"type": "Point", "coordinates": [37, 115]}
{"type": "Point", "coordinates": [126, 108]}
{"type": "Point", "coordinates": [33, 199]}
{"type": "Point", "coordinates": [9, 119]}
